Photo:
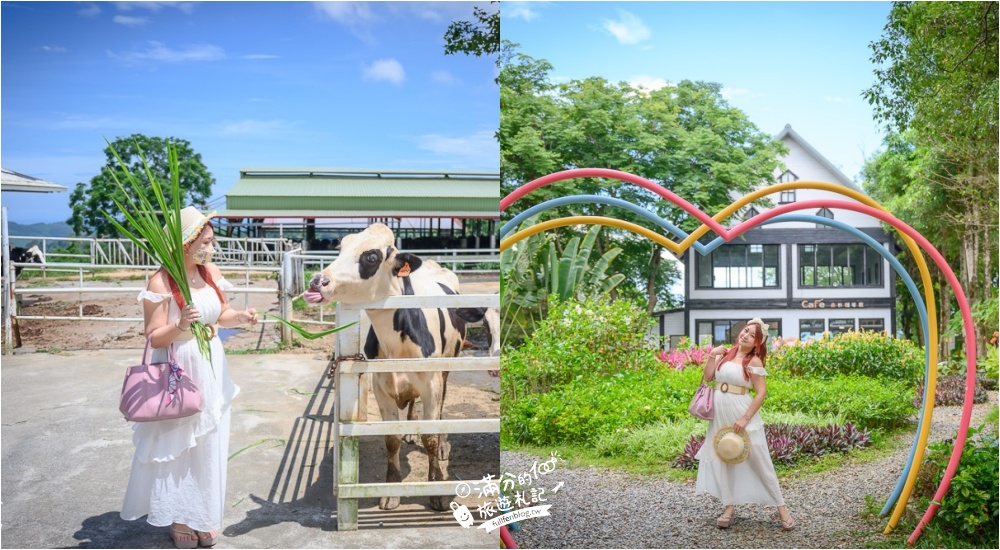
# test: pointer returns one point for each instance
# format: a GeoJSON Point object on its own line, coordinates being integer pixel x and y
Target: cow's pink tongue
{"type": "Point", "coordinates": [312, 296]}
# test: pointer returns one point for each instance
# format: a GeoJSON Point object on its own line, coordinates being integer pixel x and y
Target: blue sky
{"type": "Point", "coordinates": [798, 63]}
{"type": "Point", "coordinates": [248, 84]}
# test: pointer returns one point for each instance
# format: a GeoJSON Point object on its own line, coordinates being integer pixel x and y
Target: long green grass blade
{"type": "Point", "coordinates": [301, 331]}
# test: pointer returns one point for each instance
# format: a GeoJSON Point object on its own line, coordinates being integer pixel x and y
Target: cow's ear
{"type": "Point", "coordinates": [405, 263]}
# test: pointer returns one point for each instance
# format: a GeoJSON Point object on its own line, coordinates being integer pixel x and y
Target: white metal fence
{"type": "Point", "coordinates": [293, 269]}
{"type": "Point", "coordinates": [350, 405]}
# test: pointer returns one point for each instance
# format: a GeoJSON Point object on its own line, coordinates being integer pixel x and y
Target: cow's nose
{"type": "Point", "coordinates": [318, 281]}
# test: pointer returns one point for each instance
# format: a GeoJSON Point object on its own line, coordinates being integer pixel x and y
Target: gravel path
{"type": "Point", "coordinates": [611, 509]}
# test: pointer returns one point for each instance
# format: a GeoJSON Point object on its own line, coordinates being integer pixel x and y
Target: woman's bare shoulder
{"type": "Point", "coordinates": [756, 362]}
{"type": "Point", "coordinates": [214, 271]}
{"type": "Point", "coordinates": [158, 283]}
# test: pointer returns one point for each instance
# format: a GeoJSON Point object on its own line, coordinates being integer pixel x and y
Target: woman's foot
{"type": "Point", "coordinates": [782, 516]}
{"type": "Point", "coordinates": [207, 539]}
{"type": "Point", "coordinates": [183, 536]}
{"type": "Point", "coordinates": [726, 519]}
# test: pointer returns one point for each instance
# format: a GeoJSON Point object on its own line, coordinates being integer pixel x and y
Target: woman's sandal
{"type": "Point", "coordinates": [784, 526]}
{"type": "Point", "coordinates": [183, 539]}
{"type": "Point", "coordinates": [725, 521]}
{"type": "Point", "coordinates": [208, 540]}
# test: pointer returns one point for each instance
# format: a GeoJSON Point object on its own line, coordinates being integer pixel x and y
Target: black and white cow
{"type": "Point", "coordinates": [368, 268]}
{"type": "Point", "coordinates": [25, 256]}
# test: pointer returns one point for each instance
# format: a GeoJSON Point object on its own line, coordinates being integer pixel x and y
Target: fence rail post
{"type": "Point", "coordinates": [349, 405]}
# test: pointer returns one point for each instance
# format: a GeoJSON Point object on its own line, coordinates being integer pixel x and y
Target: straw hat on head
{"type": "Point", "coordinates": [732, 447]}
{"type": "Point", "coordinates": [192, 222]}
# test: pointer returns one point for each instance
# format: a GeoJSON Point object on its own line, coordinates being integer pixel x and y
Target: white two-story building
{"type": "Point", "coordinates": [802, 279]}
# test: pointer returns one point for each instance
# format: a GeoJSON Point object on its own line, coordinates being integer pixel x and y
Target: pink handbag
{"type": "Point", "coordinates": [701, 403]}
{"type": "Point", "coordinates": [158, 391]}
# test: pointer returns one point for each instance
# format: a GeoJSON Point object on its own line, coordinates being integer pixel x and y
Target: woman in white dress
{"type": "Point", "coordinates": [178, 476]}
{"type": "Point", "coordinates": [736, 371]}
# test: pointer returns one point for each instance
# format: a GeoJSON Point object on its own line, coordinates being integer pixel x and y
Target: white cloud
{"type": "Point", "coordinates": [54, 49]}
{"type": "Point", "coordinates": [89, 11]}
{"type": "Point", "coordinates": [256, 128]}
{"type": "Point", "coordinates": [478, 144]}
{"type": "Point", "coordinates": [260, 56]}
{"type": "Point", "coordinates": [834, 99]}
{"type": "Point", "coordinates": [730, 93]}
{"type": "Point", "coordinates": [158, 52]}
{"type": "Point", "coordinates": [130, 21]}
{"type": "Point", "coordinates": [186, 7]}
{"type": "Point", "coordinates": [347, 13]}
{"type": "Point", "coordinates": [443, 77]}
{"type": "Point", "coordinates": [518, 10]}
{"type": "Point", "coordinates": [651, 83]}
{"type": "Point", "coordinates": [385, 69]}
{"type": "Point", "coordinates": [629, 30]}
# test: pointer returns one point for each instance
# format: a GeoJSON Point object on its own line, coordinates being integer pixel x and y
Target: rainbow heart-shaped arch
{"type": "Point", "coordinates": [914, 241]}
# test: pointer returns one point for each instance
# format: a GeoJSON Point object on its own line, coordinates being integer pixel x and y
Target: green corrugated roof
{"type": "Point", "coordinates": [333, 192]}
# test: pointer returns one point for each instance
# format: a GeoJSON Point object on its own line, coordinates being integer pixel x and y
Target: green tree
{"type": "Point", "coordinates": [88, 201]}
{"type": "Point", "coordinates": [937, 83]}
{"type": "Point", "coordinates": [478, 38]}
{"type": "Point", "coordinates": [685, 137]}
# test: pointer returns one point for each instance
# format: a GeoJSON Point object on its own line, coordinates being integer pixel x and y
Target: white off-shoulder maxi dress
{"type": "Point", "coordinates": [179, 469]}
{"type": "Point", "coordinates": [754, 479]}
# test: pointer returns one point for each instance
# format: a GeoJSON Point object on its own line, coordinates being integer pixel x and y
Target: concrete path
{"type": "Point", "coordinates": [66, 452]}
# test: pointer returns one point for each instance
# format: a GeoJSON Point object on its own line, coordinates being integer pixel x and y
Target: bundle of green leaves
{"type": "Point", "coordinates": [161, 240]}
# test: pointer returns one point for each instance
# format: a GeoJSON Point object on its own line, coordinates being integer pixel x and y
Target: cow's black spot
{"type": "Point", "coordinates": [371, 344]}
{"type": "Point", "coordinates": [443, 327]}
{"type": "Point", "coordinates": [459, 316]}
{"type": "Point", "coordinates": [369, 262]}
{"type": "Point", "coordinates": [411, 323]}
{"type": "Point", "coordinates": [458, 347]}
{"type": "Point", "coordinates": [489, 332]}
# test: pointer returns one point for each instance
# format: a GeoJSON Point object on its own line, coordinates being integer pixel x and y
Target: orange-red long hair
{"type": "Point", "coordinates": [759, 350]}
{"type": "Point", "coordinates": [176, 291]}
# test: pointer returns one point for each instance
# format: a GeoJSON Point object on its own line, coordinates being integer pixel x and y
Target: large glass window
{"type": "Point", "coordinates": [811, 328]}
{"type": "Point", "coordinates": [724, 331]}
{"type": "Point", "coordinates": [740, 266]}
{"type": "Point", "coordinates": [877, 325]}
{"type": "Point", "coordinates": [836, 265]}
{"type": "Point", "coordinates": [841, 325]}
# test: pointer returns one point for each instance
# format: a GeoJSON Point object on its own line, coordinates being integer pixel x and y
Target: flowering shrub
{"type": "Point", "coordinates": [950, 390]}
{"type": "Point", "coordinates": [680, 359]}
{"type": "Point", "coordinates": [788, 444]}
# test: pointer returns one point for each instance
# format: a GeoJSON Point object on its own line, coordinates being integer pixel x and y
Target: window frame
{"type": "Point", "coordinates": [748, 278]}
{"type": "Point", "coordinates": [871, 264]}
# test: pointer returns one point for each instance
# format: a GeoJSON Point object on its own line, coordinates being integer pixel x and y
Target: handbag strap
{"type": "Point", "coordinates": [171, 356]}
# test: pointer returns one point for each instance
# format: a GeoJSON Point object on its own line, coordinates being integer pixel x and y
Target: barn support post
{"type": "Point", "coordinates": [349, 405]}
{"type": "Point", "coordinates": [8, 342]}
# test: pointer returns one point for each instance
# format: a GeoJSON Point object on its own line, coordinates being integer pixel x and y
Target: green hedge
{"type": "Point", "coordinates": [584, 410]}
{"type": "Point", "coordinates": [866, 353]}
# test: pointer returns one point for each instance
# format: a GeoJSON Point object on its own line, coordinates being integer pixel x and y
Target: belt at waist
{"type": "Point", "coordinates": [739, 390]}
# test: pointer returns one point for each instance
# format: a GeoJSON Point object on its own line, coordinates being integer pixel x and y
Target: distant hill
{"type": "Point", "coordinates": [56, 229]}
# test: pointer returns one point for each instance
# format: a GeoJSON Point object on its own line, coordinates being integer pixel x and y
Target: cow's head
{"type": "Point", "coordinates": [367, 268]}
